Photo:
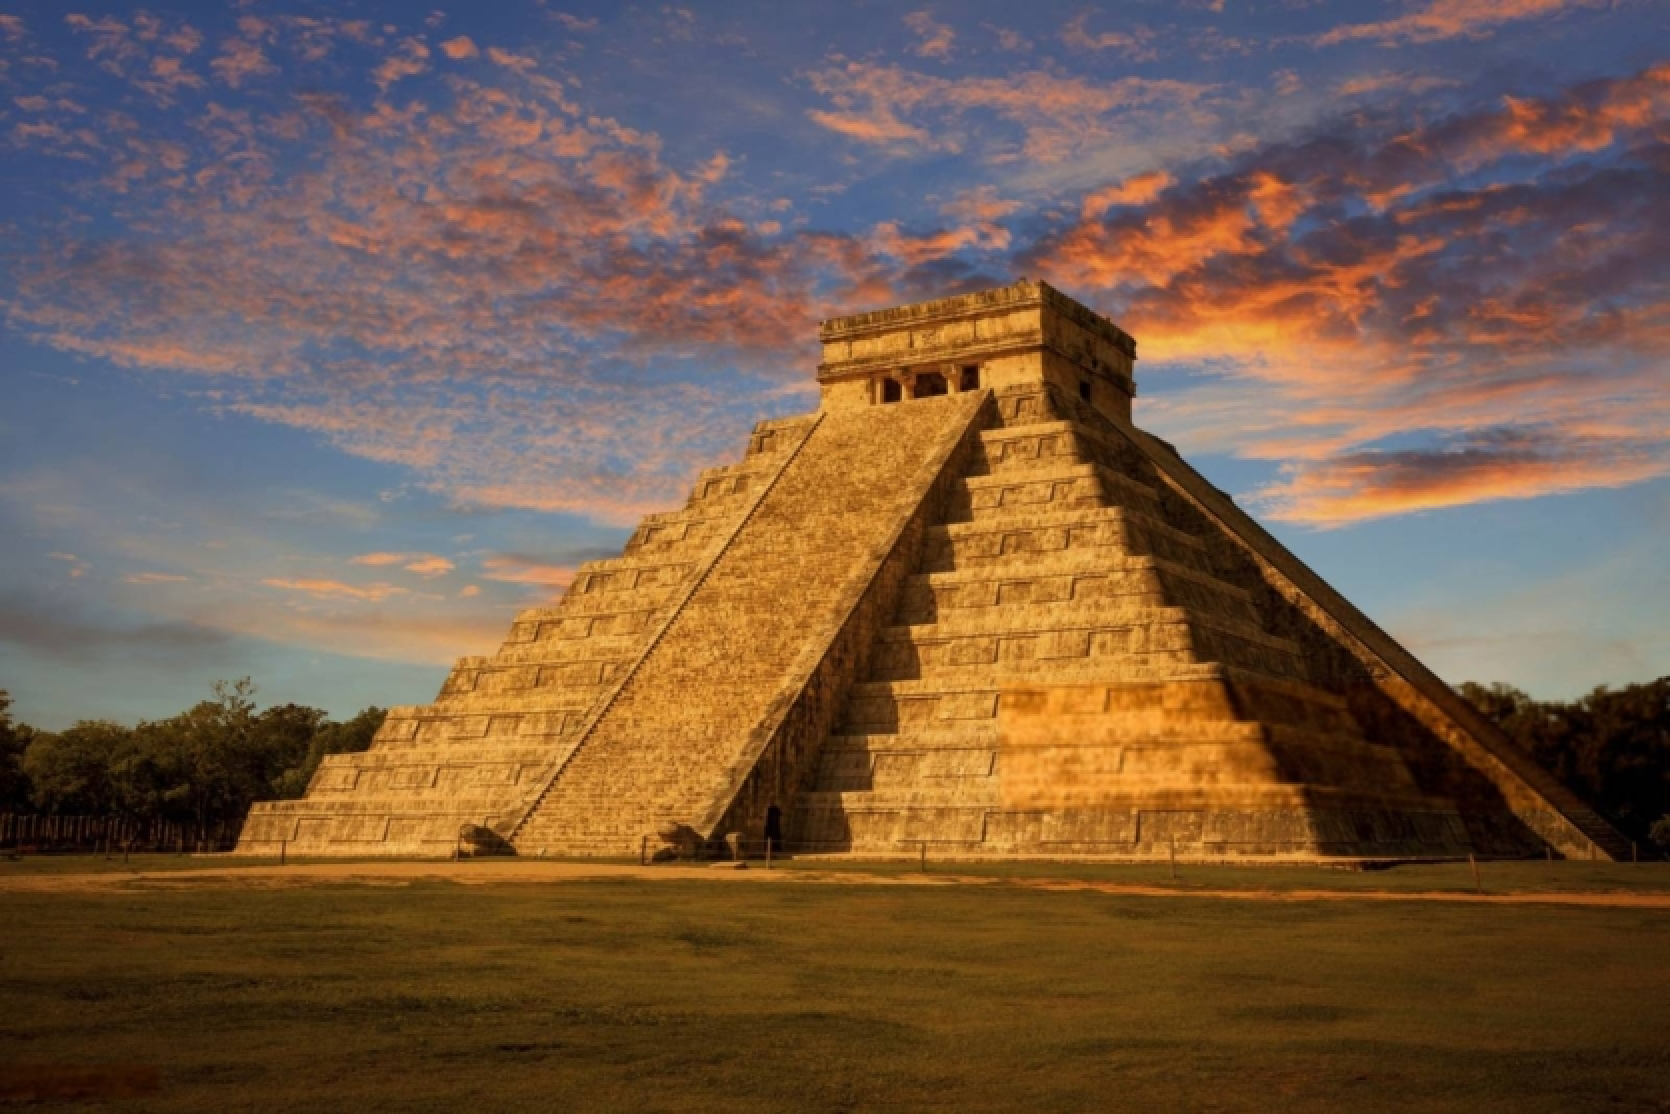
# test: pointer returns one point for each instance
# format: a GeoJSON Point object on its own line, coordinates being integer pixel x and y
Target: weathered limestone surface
{"type": "Point", "coordinates": [683, 732]}
{"type": "Point", "coordinates": [966, 606]}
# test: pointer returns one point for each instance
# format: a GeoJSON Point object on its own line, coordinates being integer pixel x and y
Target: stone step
{"type": "Point", "coordinates": [1107, 531]}
{"type": "Point", "coordinates": [1071, 620]}
{"type": "Point", "coordinates": [615, 600]}
{"type": "Point", "coordinates": [657, 566]}
{"type": "Point", "coordinates": [1055, 488]}
{"type": "Point", "coordinates": [610, 651]}
{"type": "Point", "coordinates": [982, 795]}
{"type": "Point", "coordinates": [1110, 584]}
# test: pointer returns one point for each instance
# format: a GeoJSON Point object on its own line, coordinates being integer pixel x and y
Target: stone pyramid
{"type": "Point", "coordinates": [965, 606]}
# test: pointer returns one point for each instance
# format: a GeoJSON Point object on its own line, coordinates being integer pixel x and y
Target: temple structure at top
{"type": "Point", "coordinates": [1012, 337]}
{"type": "Point", "coordinates": [965, 606]}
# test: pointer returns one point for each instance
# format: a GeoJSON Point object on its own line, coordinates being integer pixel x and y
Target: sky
{"type": "Point", "coordinates": [334, 334]}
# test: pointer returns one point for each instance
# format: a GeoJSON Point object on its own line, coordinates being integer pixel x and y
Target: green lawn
{"type": "Point", "coordinates": [721, 995]}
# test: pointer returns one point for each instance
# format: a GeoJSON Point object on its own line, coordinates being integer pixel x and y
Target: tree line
{"type": "Point", "coordinates": [1611, 747]}
{"type": "Point", "coordinates": [199, 770]}
{"type": "Point", "coordinates": [203, 768]}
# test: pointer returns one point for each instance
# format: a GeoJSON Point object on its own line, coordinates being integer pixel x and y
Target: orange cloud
{"type": "Point", "coordinates": [1448, 19]}
{"type": "Point", "coordinates": [429, 566]}
{"type": "Point", "coordinates": [1500, 464]}
{"type": "Point", "coordinates": [505, 293]}
{"type": "Point", "coordinates": [430, 279]}
{"type": "Point", "coordinates": [378, 559]}
{"type": "Point", "coordinates": [512, 569]}
{"type": "Point", "coordinates": [423, 564]}
{"type": "Point", "coordinates": [411, 59]}
{"type": "Point", "coordinates": [459, 48]}
{"type": "Point", "coordinates": [1136, 190]}
{"type": "Point", "coordinates": [1348, 292]}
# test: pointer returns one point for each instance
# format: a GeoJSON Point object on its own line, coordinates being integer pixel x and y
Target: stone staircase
{"type": "Point", "coordinates": [1056, 565]}
{"type": "Point", "coordinates": [681, 733]}
{"type": "Point", "coordinates": [503, 723]}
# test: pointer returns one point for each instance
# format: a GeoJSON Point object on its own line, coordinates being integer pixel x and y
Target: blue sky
{"type": "Point", "coordinates": [333, 334]}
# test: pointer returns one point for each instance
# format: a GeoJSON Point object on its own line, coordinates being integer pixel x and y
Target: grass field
{"type": "Point", "coordinates": [715, 995]}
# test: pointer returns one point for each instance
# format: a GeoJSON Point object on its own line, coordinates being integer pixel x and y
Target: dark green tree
{"type": "Point", "coordinates": [1611, 747]}
{"type": "Point", "coordinates": [14, 740]}
{"type": "Point", "coordinates": [213, 760]}
{"type": "Point", "coordinates": [72, 772]}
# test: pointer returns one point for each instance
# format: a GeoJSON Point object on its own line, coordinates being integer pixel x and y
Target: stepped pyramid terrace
{"type": "Point", "coordinates": [965, 606]}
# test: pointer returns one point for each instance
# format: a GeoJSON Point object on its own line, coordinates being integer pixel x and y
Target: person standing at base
{"type": "Point", "coordinates": [774, 829]}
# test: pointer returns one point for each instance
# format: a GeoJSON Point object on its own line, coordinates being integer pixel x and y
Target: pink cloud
{"type": "Point", "coordinates": [1132, 43]}
{"type": "Point", "coordinates": [1056, 116]}
{"type": "Point", "coordinates": [933, 38]}
{"type": "Point", "coordinates": [240, 60]}
{"type": "Point", "coordinates": [411, 59]}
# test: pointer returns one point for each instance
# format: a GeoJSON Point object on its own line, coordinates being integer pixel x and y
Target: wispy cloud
{"type": "Point", "coordinates": [515, 569]}
{"type": "Point", "coordinates": [408, 60]}
{"type": "Point", "coordinates": [933, 38]}
{"type": "Point", "coordinates": [1500, 463]}
{"type": "Point", "coordinates": [155, 578]}
{"type": "Point", "coordinates": [1131, 42]}
{"type": "Point", "coordinates": [322, 588]}
{"type": "Point", "coordinates": [1049, 116]}
{"type": "Point", "coordinates": [574, 22]}
{"type": "Point", "coordinates": [1449, 19]}
{"type": "Point", "coordinates": [468, 285]}
{"type": "Point", "coordinates": [426, 565]}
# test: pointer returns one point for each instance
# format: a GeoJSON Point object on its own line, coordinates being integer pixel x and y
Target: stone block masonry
{"type": "Point", "coordinates": [966, 606]}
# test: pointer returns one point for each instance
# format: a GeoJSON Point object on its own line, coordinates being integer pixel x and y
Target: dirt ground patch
{"type": "Point", "coordinates": [532, 872]}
